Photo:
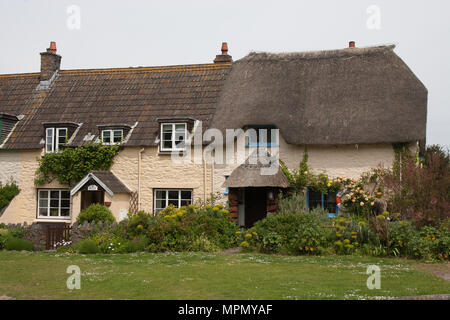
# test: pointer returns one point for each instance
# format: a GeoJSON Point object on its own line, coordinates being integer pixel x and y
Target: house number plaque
{"type": "Point", "coordinates": [92, 187]}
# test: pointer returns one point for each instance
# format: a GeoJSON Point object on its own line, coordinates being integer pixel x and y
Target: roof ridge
{"type": "Point", "coordinates": [182, 67]}
{"type": "Point", "coordinates": [179, 67]}
{"type": "Point", "coordinates": [318, 54]}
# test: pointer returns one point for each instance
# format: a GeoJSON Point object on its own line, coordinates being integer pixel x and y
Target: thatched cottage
{"type": "Point", "coordinates": [346, 106]}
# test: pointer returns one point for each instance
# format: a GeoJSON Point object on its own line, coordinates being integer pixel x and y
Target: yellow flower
{"type": "Point", "coordinates": [385, 213]}
{"type": "Point", "coordinates": [244, 244]}
{"type": "Point", "coordinates": [208, 206]}
{"type": "Point", "coordinates": [238, 233]}
{"type": "Point", "coordinates": [346, 241]}
{"type": "Point", "coordinates": [362, 223]}
{"type": "Point", "coordinates": [380, 217]}
{"type": "Point", "coordinates": [254, 233]}
{"type": "Point", "coordinates": [216, 208]}
{"type": "Point", "coordinates": [248, 236]}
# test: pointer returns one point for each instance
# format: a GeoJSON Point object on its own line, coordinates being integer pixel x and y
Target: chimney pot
{"type": "Point", "coordinates": [52, 48]}
{"type": "Point", "coordinates": [224, 48]}
{"type": "Point", "coordinates": [224, 57]}
{"type": "Point", "coordinates": [352, 44]}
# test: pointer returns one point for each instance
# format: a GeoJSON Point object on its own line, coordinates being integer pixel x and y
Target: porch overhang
{"type": "Point", "coordinates": [255, 174]}
{"type": "Point", "coordinates": [105, 179]}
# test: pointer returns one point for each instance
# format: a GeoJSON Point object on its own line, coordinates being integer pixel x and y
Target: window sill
{"type": "Point", "coordinates": [167, 152]}
{"type": "Point", "coordinates": [45, 219]}
{"type": "Point", "coordinates": [253, 145]}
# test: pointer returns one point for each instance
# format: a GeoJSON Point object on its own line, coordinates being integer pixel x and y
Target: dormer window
{"type": "Point", "coordinates": [55, 139]}
{"type": "Point", "coordinates": [262, 136]}
{"type": "Point", "coordinates": [112, 136]}
{"type": "Point", "coordinates": [173, 136]}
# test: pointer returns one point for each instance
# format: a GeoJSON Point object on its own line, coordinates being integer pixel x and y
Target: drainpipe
{"type": "Point", "coordinates": [204, 180]}
{"type": "Point", "coordinates": [139, 178]}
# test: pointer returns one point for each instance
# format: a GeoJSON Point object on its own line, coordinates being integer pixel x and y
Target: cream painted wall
{"type": "Point", "coordinates": [158, 171]}
{"type": "Point", "coordinates": [23, 208]}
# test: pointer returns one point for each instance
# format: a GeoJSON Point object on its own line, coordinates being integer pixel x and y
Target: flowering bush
{"type": "Point", "coordinates": [95, 213]}
{"type": "Point", "coordinates": [420, 191]}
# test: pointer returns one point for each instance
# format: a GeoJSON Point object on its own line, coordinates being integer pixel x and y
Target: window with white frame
{"type": "Point", "coordinates": [53, 203]}
{"type": "Point", "coordinates": [164, 197]}
{"type": "Point", "coordinates": [112, 136]}
{"type": "Point", "coordinates": [55, 139]}
{"type": "Point", "coordinates": [173, 136]}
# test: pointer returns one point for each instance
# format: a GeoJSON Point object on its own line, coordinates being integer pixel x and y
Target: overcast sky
{"type": "Point", "coordinates": [97, 34]}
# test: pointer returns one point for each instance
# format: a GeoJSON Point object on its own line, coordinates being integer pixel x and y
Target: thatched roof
{"type": "Point", "coordinates": [252, 174]}
{"type": "Point", "coordinates": [354, 95]}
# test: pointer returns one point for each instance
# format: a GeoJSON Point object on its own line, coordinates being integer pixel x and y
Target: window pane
{"type": "Point", "coordinates": [43, 194]}
{"type": "Point", "coordinates": [43, 212]}
{"type": "Point", "coordinates": [65, 194]}
{"type": "Point", "coordinates": [106, 136]}
{"type": "Point", "coordinates": [53, 212]}
{"type": "Point", "coordinates": [65, 212]}
{"type": "Point", "coordinates": [180, 126]}
{"type": "Point", "coordinates": [54, 194]}
{"type": "Point", "coordinates": [315, 199]}
{"type": "Point", "coordinates": [174, 202]}
{"type": "Point", "coordinates": [167, 144]}
{"type": "Point", "coordinates": [186, 195]}
{"type": "Point", "coordinates": [160, 204]}
{"type": "Point", "coordinates": [173, 195]}
{"type": "Point", "coordinates": [54, 203]}
{"type": "Point", "coordinates": [117, 136]}
{"type": "Point", "coordinates": [160, 194]}
{"type": "Point", "coordinates": [185, 202]}
{"type": "Point", "coordinates": [167, 128]}
{"type": "Point", "coordinates": [330, 202]}
{"type": "Point", "coordinates": [65, 203]}
{"type": "Point", "coordinates": [43, 203]}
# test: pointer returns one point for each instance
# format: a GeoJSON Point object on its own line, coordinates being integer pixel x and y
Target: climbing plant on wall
{"type": "Point", "coordinates": [70, 165]}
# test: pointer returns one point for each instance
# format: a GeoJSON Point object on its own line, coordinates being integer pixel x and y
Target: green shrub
{"type": "Point", "coordinates": [288, 233]}
{"type": "Point", "coordinates": [294, 203]}
{"type": "Point", "coordinates": [18, 244]}
{"type": "Point", "coordinates": [88, 246]}
{"type": "Point", "coordinates": [7, 193]}
{"type": "Point", "coordinates": [95, 213]}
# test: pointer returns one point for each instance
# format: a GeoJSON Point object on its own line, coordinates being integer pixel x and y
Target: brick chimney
{"type": "Point", "coordinates": [352, 44]}
{"type": "Point", "coordinates": [50, 62]}
{"type": "Point", "coordinates": [224, 57]}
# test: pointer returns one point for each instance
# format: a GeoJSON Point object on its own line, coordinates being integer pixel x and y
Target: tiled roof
{"type": "Point", "coordinates": [131, 96]}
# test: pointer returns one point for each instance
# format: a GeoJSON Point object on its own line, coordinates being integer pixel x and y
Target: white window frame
{"type": "Point", "coordinates": [48, 216]}
{"type": "Point", "coordinates": [54, 144]}
{"type": "Point", "coordinates": [156, 210]}
{"type": "Point", "coordinates": [173, 148]}
{"type": "Point", "coordinates": [111, 136]}
{"type": "Point", "coordinates": [57, 138]}
{"type": "Point", "coordinates": [51, 145]}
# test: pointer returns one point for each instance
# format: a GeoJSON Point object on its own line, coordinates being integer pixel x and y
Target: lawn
{"type": "Point", "coordinates": [31, 275]}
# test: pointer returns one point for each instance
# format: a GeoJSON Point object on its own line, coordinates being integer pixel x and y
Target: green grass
{"type": "Point", "coordinates": [31, 275]}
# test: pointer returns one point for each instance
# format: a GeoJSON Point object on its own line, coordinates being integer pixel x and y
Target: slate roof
{"type": "Point", "coordinates": [132, 96]}
{"type": "Point", "coordinates": [111, 181]}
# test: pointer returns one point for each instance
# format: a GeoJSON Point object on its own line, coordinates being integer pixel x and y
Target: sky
{"type": "Point", "coordinates": [101, 34]}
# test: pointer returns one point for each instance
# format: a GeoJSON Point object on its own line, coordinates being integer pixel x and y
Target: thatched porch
{"type": "Point", "coordinates": [253, 192]}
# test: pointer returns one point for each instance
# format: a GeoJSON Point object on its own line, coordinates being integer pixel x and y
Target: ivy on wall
{"type": "Point", "coordinates": [303, 177]}
{"type": "Point", "coordinates": [70, 165]}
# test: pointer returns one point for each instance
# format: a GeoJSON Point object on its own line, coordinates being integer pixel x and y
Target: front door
{"type": "Point", "coordinates": [255, 205]}
{"type": "Point", "coordinates": [90, 197]}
